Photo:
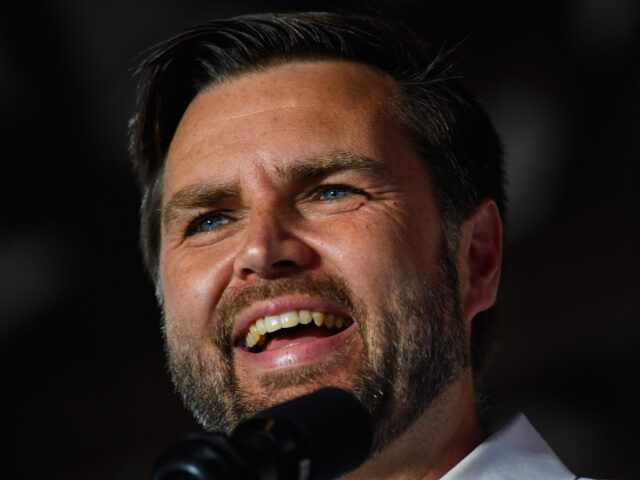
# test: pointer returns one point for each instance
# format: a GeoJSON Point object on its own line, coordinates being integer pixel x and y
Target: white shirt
{"type": "Point", "coordinates": [516, 452]}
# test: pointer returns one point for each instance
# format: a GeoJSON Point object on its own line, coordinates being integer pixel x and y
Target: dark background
{"type": "Point", "coordinates": [85, 391]}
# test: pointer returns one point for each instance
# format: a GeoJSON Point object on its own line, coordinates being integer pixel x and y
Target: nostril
{"type": "Point", "coordinates": [284, 264]}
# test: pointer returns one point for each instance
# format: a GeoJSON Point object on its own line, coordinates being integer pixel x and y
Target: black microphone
{"type": "Point", "coordinates": [318, 436]}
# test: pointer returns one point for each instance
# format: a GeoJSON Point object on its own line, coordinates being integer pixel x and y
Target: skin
{"type": "Point", "coordinates": [243, 140]}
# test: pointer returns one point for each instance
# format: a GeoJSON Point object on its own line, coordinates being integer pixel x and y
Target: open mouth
{"type": "Point", "coordinates": [292, 328]}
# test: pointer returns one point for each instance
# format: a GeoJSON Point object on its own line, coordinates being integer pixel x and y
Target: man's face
{"type": "Point", "coordinates": [291, 195]}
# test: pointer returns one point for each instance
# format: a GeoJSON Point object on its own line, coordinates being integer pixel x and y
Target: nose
{"type": "Point", "coordinates": [270, 249]}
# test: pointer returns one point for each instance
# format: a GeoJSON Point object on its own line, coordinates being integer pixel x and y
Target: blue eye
{"type": "Point", "coordinates": [334, 192]}
{"type": "Point", "coordinates": [208, 223]}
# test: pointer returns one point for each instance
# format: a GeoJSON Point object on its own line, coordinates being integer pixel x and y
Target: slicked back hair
{"type": "Point", "coordinates": [447, 127]}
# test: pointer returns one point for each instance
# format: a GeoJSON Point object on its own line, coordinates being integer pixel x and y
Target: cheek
{"type": "Point", "coordinates": [192, 283]}
{"type": "Point", "coordinates": [373, 249]}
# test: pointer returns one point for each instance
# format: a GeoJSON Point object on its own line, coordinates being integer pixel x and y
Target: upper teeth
{"type": "Point", "coordinates": [258, 330]}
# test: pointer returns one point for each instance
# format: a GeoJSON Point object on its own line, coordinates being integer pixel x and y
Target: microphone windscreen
{"type": "Point", "coordinates": [332, 425]}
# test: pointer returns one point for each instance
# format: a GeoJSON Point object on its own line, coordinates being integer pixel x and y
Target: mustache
{"type": "Point", "coordinates": [325, 286]}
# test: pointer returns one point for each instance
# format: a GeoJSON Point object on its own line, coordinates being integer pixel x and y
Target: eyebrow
{"type": "Point", "coordinates": [207, 195]}
{"type": "Point", "coordinates": [323, 165]}
{"type": "Point", "coordinates": [199, 196]}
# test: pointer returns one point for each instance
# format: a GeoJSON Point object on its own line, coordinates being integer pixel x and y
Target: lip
{"type": "Point", "coordinates": [277, 306]}
{"type": "Point", "coordinates": [296, 355]}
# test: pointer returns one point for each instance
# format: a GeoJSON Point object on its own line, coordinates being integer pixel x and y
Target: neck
{"type": "Point", "coordinates": [442, 436]}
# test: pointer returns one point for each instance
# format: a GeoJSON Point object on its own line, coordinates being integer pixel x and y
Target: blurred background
{"type": "Point", "coordinates": [85, 391]}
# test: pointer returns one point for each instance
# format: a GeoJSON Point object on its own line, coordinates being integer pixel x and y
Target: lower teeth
{"type": "Point", "coordinates": [264, 339]}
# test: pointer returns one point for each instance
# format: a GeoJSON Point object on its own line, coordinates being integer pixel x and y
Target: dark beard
{"type": "Point", "coordinates": [209, 387]}
{"type": "Point", "coordinates": [417, 349]}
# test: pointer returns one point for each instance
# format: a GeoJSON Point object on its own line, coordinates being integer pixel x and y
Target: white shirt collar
{"type": "Point", "coordinates": [515, 452]}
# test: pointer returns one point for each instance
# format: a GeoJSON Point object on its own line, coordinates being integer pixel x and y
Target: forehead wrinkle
{"type": "Point", "coordinates": [239, 116]}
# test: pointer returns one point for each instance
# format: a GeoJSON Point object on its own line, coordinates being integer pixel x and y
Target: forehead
{"type": "Point", "coordinates": [302, 109]}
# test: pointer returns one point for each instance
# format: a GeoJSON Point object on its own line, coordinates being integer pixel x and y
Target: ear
{"type": "Point", "coordinates": [480, 259]}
